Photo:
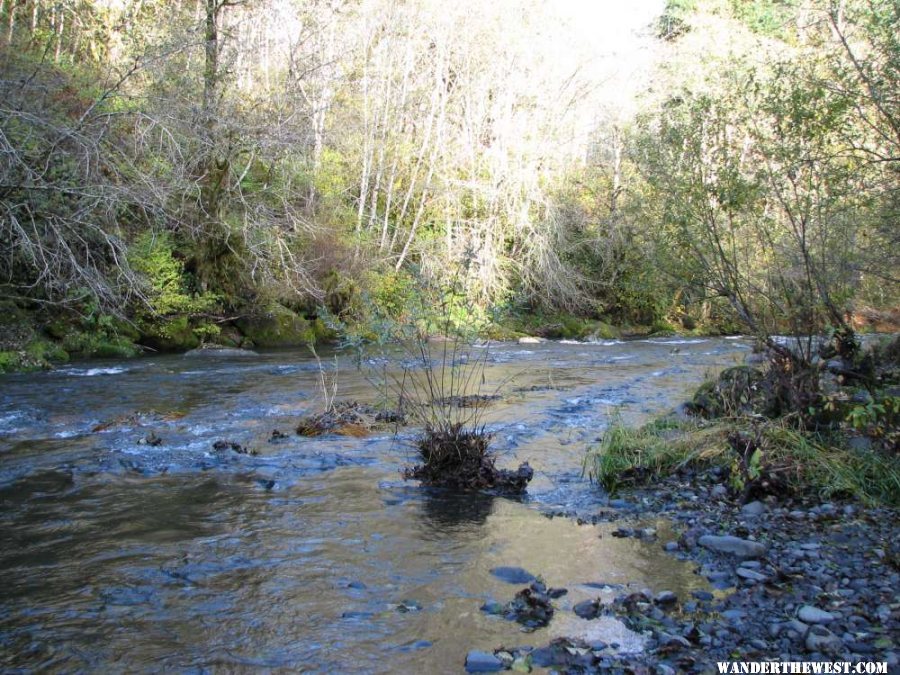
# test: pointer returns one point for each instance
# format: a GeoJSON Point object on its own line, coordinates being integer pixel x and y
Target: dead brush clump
{"type": "Point", "coordinates": [454, 456]}
{"type": "Point", "coordinates": [442, 387]}
{"type": "Point", "coordinates": [348, 418]}
{"type": "Point", "coordinates": [343, 418]}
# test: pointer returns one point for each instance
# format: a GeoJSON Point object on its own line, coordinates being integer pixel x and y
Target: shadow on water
{"type": "Point", "coordinates": [450, 514]}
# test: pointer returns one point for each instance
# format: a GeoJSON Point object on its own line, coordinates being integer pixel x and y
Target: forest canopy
{"type": "Point", "coordinates": [175, 167]}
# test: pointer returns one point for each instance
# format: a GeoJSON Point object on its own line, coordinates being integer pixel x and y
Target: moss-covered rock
{"type": "Point", "coordinates": [601, 330]}
{"type": "Point", "coordinates": [44, 350]}
{"type": "Point", "coordinates": [38, 354]}
{"type": "Point", "coordinates": [94, 334]}
{"type": "Point", "coordinates": [500, 333]}
{"type": "Point", "coordinates": [662, 328]}
{"type": "Point", "coordinates": [277, 326]}
{"type": "Point", "coordinates": [173, 334]}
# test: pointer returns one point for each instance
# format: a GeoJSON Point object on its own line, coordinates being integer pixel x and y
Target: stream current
{"type": "Point", "coordinates": [313, 555]}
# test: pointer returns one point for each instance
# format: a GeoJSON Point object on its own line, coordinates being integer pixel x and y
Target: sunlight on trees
{"type": "Point", "coordinates": [727, 161]}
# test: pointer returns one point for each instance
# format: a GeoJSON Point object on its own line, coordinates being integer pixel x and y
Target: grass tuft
{"type": "Point", "coordinates": [800, 462]}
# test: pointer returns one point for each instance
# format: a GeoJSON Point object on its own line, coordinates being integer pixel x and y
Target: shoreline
{"type": "Point", "coordinates": [794, 579]}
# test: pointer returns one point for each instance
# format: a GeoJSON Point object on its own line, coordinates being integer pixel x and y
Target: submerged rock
{"type": "Point", "coordinates": [666, 599]}
{"type": "Point", "coordinates": [277, 436]}
{"type": "Point", "coordinates": [151, 439]}
{"type": "Point", "coordinates": [531, 607]}
{"type": "Point", "coordinates": [482, 662]}
{"type": "Point", "coordinates": [220, 351]}
{"type": "Point", "coordinates": [223, 445]}
{"type": "Point", "coordinates": [513, 575]}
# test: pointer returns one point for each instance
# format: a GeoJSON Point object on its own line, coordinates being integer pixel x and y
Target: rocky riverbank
{"type": "Point", "coordinates": [791, 580]}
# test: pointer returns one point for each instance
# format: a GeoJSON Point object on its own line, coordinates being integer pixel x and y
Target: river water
{"type": "Point", "coordinates": [313, 555]}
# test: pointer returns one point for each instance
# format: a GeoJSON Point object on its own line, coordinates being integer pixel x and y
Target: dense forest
{"type": "Point", "coordinates": [223, 172]}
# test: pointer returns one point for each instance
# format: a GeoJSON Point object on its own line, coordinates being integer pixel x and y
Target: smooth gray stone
{"type": "Point", "coordinates": [742, 548]}
{"type": "Point", "coordinates": [810, 614]}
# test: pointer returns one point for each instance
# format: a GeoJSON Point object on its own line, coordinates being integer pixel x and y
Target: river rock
{"type": "Point", "coordinates": [530, 340]}
{"type": "Point", "coordinates": [734, 615]}
{"type": "Point", "coordinates": [810, 614]}
{"type": "Point", "coordinates": [742, 548]}
{"type": "Point", "coordinates": [753, 509]}
{"type": "Point", "coordinates": [820, 639]}
{"type": "Point", "coordinates": [587, 609]}
{"type": "Point", "coordinates": [482, 662]}
{"type": "Point", "coordinates": [751, 575]}
{"type": "Point", "coordinates": [719, 491]}
{"type": "Point", "coordinates": [666, 598]}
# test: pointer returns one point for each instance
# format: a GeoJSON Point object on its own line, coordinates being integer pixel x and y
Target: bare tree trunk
{"type": "Point", "coordinates": [389, 198]}
{"type": "Point", "coordinates": [617, 172]}
{"type": "Point", "coordinates": [367, 149]}
{"type": "Point", "coordinates": [211, 65]}
{"type": "Point", "coordinates": [59, 33]}
{"type": "Point", "coordinates": [12, 21]}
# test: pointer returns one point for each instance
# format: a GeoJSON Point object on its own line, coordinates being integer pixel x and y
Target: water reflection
{"type": "Point", "coordinates": [453, 514]}
{"type": "Point", "coordinates": [120, 556]}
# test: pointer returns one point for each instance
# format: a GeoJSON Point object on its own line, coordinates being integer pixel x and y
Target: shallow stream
{"type": "Point", "coordinates": [313, 555]}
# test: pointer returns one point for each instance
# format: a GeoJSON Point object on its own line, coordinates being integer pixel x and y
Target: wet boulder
{"type": "Point", "coordinates": [531, 607]}
{"type": "Point", "coordinates": [482, 662]}
{"type": "Point", "coordinates": [276, 326]}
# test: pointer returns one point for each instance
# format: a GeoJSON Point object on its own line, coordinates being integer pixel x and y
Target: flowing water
{"type": "Point", "coordinates": [313, 555]}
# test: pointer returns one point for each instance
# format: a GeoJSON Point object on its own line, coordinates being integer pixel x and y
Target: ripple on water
{"type": "Point", "coordinates": [92, 372]}
{"type": "Point", "coordinates": [224, 560]}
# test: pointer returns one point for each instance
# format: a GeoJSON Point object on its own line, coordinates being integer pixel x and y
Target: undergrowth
{"type": "Point", "coordinates": [788, 460]}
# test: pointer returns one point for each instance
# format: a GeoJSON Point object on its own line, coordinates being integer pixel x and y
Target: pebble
{"type": "Point", "coordinates": [820, 639]}
{"type": "Point", "coordinates": [750, 575]}
{"type": "Point", "coordinates": [734, 614]}
{"type": "Point", "coordinates": [810, 614]}
{"type": "Point", "coordinates": [753, 509]}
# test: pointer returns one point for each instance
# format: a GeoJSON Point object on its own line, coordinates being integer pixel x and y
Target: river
{"type": "Point", "coordinates": [313, 555]}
